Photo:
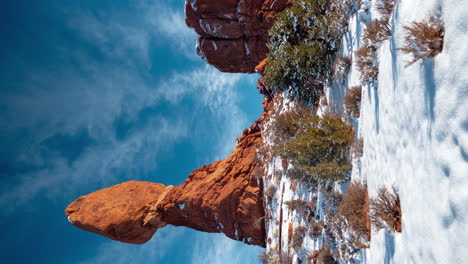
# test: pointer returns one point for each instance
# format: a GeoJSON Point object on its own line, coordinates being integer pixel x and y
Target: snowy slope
{"type": "Point", "coordinates": [415, 130]}
{"type": "Point", "coordinates": [414, 123]}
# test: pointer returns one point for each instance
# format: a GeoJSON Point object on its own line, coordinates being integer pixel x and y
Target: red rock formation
{"type": "Point", "coordinates": [225, 197]}
{"type": "Point", "coordinates": [232, 33]}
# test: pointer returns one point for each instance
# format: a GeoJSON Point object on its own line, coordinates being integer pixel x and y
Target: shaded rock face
{"type": "Point", "coordinates": [233, 33]}
{"type": "Point", "coordinates": [223, 197]}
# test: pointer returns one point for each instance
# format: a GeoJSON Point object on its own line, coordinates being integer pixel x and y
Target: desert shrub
{"type": "Point", "coordinates": [303, 41]}
{"type": "Point", "coordinates": [358, 147]}
{"type": "Point", "coordinates": [270, 191]}
{"type": "Point", "coordinates": [315, 228]}
{"type": "Point", "coordinates": [285, 257]}
{"type": "Point", "coordinates": [385, 7]}
{"type": "Point", "coordinates": [352, 101]}
{"type": "Point", "coordinates": [332, 199]}
{"type": "Point", "coordinates": [287, 125]}
{"type": "Point", "coordinates": [385, 211]}
{"type": "Point", "coordinates": [367, 64]}
{"type": "Point", "coordinates": [354, 208]}
{"type": "Point", "coordinates": [377, 31]}
{"type": "Point", "coordinates": [296, 205]}
{"type": "Point", "coordinates": [320, 149]}
{"type": "Point", "coordinates": [341, 68]}
{"type": "Point", "coordinates": [298, 237]}
{"type": "Point", "coordinates": [264, 257]}
{"type": "Point", "coordinates": [424, 39]}
{"type": "Point", "coordinates": [325, 257]}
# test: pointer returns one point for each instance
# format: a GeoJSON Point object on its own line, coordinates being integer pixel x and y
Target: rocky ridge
{"type": "Point", "coordinates": [232, 33]}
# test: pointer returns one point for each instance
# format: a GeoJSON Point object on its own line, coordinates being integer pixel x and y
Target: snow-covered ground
{"type": "Point", "coordinates": [415, 129]}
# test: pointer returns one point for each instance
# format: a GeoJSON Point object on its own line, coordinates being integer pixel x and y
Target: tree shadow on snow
{"type": "Point", "coordinates": [389, 247]}
{"type": "Point", "coordinates": [430, 90]}
{"type": "Point", "coordinates": [376, 104]}
{"type": "Point", "coordinates": [393, 47]}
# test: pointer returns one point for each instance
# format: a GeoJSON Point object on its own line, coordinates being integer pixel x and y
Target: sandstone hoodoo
{"type": "Point", "coordinates": [223, 197]}
{"type": "Point", "coordinates": [233, 33]}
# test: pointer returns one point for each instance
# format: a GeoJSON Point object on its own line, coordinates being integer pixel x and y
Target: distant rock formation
{"type": "Point", "coordinates": [223, 197]}
{"type": "Point", "coordinates": [233, 33]}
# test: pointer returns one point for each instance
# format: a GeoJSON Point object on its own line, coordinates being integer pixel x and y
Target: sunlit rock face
{"type": "Point", "coordinates": [233, 33]}
{"type": "Point", "coordinates": [223, 197]}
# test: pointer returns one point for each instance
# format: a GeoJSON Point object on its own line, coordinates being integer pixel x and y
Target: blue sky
{"type": "Point", "coordinates": [94, 93]}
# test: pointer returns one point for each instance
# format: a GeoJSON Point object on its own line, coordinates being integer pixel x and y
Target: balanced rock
{"type": "Point", "coordinates": [223, 197]}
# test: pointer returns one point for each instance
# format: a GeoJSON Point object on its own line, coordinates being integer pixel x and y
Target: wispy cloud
{"type": "Point", "coordinates": [219, 249]}
{"type": "Point", "coordinates": [103, 82]}
{"type": "Point", "coordinates": [152, 252]}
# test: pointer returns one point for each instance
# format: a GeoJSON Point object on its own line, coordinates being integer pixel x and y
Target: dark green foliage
{"type": "Point", "coordinates": [303, 43]}
{"type": "Point", "coordinates": [320, 148]}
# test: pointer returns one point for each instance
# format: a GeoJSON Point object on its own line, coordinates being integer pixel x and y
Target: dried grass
{"type": "Point", "coordinates": [385, 211]}
{"type": "Point", "coordinates": [352, 101]}
{"type": "Point", "coordinates": [377, 31]}
{"type": "Point", "coordinates": [424, 39]}
{"type": "Point", "coordinates": [366, 64]}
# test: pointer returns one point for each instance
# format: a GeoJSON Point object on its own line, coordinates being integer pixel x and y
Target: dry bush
{"type": "Point", "coordinates": [354, 208]}
{"type": "Point", "coordinates": [298, 237]}
{"type": "Point", "coordinates": [325, 257]}
{"type": "Point", "coordinates": [264, 257]}
{"type": "Point", "coordinates": [285, 257]}
{"type": "Point", "coordinates": [270, 191]}
{"type": "Point", "coordinates": [332, 199]}
{"type": "Point", "coordinates": [424, 39]}
{"type": "Point", "coordinates": [377, 31]}
{"type": "Point", "coordinates": [358, 147]}
{"type": "Point", "coordinates": [352, 101]}
{"type": "Point", "coordinates": [366, 63]}
{"type": "Point", "coordinates": [341, 68]}
{"type": "Point", "coordinates": [296, 205]}
{"type": "Point", "coordinates": [385, 211]}
{"type": "Point", "coordinates": [385, 7]}
{"type": "Point", "coordinates": [315, 228]}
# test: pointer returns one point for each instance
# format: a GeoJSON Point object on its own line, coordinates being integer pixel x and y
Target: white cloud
{"type": "Point", "coordinates": [152, 252]}
{"type": "Point", "coordinates": [218, 249]}
{"type": "Point", "coordinates": [164, 20]}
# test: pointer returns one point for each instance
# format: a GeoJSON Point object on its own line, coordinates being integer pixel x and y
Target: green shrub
{"type": "Point", "coordinates": [303, 43]}
{"type": "Point", "coordinates": [320, 148]}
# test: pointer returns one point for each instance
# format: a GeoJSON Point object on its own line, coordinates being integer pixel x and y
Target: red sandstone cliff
{"type": "Point", "coordinates": [232, 33]}
{"type": "Point", "coordinates": [223, 197]}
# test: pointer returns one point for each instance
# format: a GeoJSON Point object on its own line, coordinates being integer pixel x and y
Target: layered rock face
{"type": "Point", "coordinates": [223, 197]}
{"type": "Point", "coordinates": [233, 33]}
